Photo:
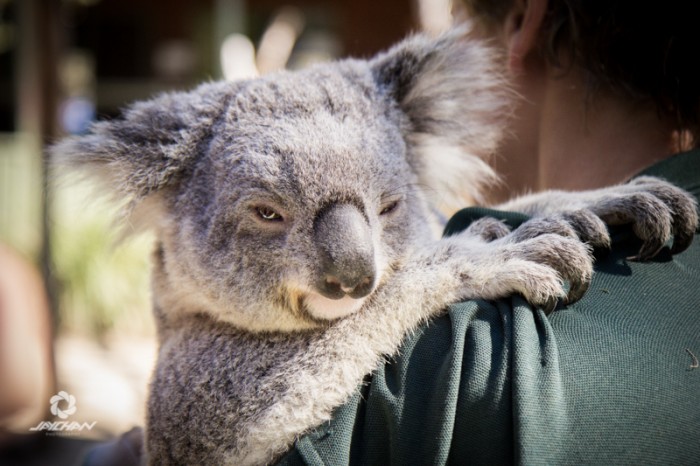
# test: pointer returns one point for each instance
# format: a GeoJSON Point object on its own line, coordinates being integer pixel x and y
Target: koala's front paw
{"type": "Point", "coordinates": [568, 257]}
{"type": "Point", "coordinates": [536, 268]}
{"type": "Point", "coordinates": [582, 224]}
{"type": "Point", "coordinates": [658, 210]}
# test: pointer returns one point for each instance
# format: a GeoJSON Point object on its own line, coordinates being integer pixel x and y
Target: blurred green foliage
{"type": "Point", "coordinates": [103, 283]}
{"type": "Point", "coordinates": [20, 193]}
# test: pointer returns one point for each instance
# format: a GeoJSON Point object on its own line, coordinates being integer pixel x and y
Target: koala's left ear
{"type": "Point", "coordinates": [457, 101]}
{"type": "Point", "coordinates": [149, 147]}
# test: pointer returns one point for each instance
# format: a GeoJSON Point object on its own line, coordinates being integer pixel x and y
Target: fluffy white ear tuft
{"type": "Point", "coordinates": [454, 178]}
{"type": "Point", "coordinates": [148, 148]}
{"type": "Point", "coordinates": [457, 101]}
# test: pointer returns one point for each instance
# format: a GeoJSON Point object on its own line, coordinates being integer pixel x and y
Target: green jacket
{"type": "Point", "coordinates": [611, 379]}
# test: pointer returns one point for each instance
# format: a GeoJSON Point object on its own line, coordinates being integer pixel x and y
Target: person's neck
{"type": "Point", "coordinates": [586, 144]}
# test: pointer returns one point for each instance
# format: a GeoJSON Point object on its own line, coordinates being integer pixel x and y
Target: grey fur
{"type": "Point", "coordinates": [270, 197]}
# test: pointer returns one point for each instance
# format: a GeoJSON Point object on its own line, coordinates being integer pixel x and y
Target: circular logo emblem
{"type": "Point", "coordinates": [62, 398]}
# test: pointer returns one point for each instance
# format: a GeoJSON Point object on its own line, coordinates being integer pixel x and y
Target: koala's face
{"type": "Point", "coordinates": [284, 202]}
{"type": "Point", "coordinates": [302, 204]}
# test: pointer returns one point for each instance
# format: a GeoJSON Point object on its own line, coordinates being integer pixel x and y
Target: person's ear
{"type": "Point", "coordinates": [522, 29]}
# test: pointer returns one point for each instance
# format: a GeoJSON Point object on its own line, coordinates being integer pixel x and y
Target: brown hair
{"type": "Point", "coordinates": [646, 51]}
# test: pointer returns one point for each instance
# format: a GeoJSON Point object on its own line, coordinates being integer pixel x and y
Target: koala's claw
{"type": "Point", "coordinates": [560, 245]}
{"type": "Point", "coordinates": [537, 268]}
{"type": "Point", "coordinates": [582, 224]}
{"type": "Point", "coordinates": [650, 217]}
{"type": "Point", "coordinates": [682, 208]}
{"type": "Point", "coordinates": [543, 263]}
{"type": "Point", "coordinates": [568, 256]}
{"type": "Point", "coordinates": [488, 229]}
{"type": "Point", "coordinates": [589, 228]}
{"type": "Point", "coordinates": [657, 210]}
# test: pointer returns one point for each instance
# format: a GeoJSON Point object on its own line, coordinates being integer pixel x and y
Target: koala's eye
{"type": "Point", "coordinates": [388, 208]}
{"type": "Point", "coordinates": [268, 214]}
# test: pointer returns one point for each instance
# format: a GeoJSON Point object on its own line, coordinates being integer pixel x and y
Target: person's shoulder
{"type": "Point", "coordinates": [448, 382]}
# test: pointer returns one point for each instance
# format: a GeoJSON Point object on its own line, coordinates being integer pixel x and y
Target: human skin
{"type": "Point", "coordinates": [559, 128]}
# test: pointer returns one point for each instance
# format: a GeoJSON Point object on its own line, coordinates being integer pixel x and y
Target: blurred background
{"type": "Point", "coordinates": [74, 302]}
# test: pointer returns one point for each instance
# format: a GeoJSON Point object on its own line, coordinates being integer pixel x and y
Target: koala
{"type": "Point", "coordinates": [295, 224]}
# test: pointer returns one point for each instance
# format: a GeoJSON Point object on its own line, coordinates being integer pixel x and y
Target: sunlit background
{"type": "Point", "coordinates": [74, 305]}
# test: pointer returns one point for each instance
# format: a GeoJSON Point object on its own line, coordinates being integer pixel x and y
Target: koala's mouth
{"type": "Point", "coordinates": [315, 308]}
{"type": "Point", "coordinates": [320, 307]}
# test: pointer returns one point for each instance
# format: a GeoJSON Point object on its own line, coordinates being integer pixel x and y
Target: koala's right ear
{"type": "Point", "coordinates": [146, 149]}
{"type": "Point", "coordinates": [457, 101]}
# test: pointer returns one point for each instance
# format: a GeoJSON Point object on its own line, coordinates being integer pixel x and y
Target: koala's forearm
{"type": "Point", "coordinates": [223, 395]}
{"type": "Point", "coordinates": [333, 362]}
{"type": "Point", "coordinates": [284, 384]}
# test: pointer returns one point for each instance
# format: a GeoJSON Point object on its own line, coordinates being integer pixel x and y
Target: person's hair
{"type": "Point", "coordinates": [647, 51]}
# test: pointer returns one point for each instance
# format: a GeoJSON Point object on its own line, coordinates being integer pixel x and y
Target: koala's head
{"type": "Point", "coordinates": [284, 202]}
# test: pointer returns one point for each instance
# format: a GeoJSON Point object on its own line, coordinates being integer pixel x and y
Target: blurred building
{"type": "Point", "coordinates": [109, 52]}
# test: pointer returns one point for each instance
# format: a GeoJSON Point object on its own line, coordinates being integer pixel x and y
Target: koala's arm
{"type": "Point", "coordinates": [485, 261]}
{"type": "Point", "coordinates": [327, 371]}
{"type": "Point", "coordinates": [657, 210]}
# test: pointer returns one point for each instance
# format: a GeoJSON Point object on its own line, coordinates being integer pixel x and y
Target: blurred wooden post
{"type": "Point", "coordinates": [37, 80]}
{"type": "Point", "coordinates": [229, 18]}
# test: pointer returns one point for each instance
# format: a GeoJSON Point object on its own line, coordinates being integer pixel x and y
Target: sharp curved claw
{"type": "Point", "coordinates": [684, 231]}
{"type": "Point", "coordinates": [681, 242]}
{"type": "Point", "coordinates": [589, 228]}
{"type": "Point", "coordinates": [682, 208]}
{"type": "Point", "coordinates": [648, 251]}
{"type": "Point", "coordinates": [550, 305]}
{"type": "Point", "coordinates": [578, 289]}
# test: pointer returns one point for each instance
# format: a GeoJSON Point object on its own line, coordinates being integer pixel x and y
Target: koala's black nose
{"type": "Point", "coordinates": [346, 252]}
{"type": "Point", "coordinates": [335, 288]}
